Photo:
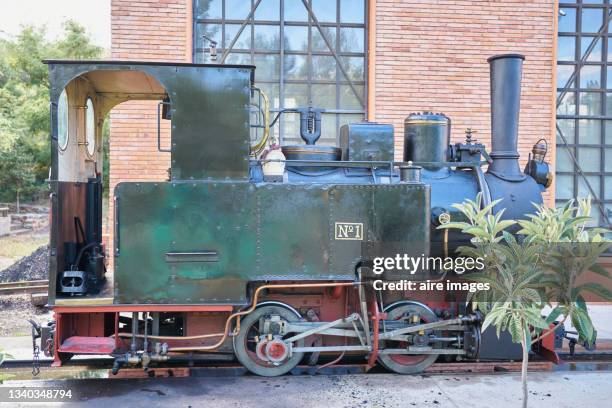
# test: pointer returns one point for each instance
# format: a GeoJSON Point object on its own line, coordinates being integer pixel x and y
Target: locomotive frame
{"type": "Point", "coordinates": [204, 262]}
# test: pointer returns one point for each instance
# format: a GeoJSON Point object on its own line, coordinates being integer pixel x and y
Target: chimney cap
{"type": "Point", "coordinates": [499, 56]}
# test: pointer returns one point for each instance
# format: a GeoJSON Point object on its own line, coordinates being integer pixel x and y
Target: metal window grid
{"type": "Point", "coordinates": [199, 25]}
{"type": "Point", "coordinates": [577, 92]}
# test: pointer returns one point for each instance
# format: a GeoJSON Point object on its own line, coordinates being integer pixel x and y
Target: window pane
{"type": "Point", "coordinates": [268, 10]}
{"type": "Point", "coordinates": [244, 41]}
{"type": "Point", "coordinates": [609, 76]}
{"type": "Point", "coordinates": [268, 67]}
{"type": "Point", "coordinates": [352, 40]}
{"type": "Point", "coordinates": [566, 48]}
{"type": "Point", "coordinates": [213, 31]}
{"type": "Point", "coordinates": [567, 22]}
{"type": "Point", "coordinates": [564, 187]}
{"type": "Point", "coordinates": [208, 9]}
{"type": "Point", "coordinates": [564, 72]}
{"type": "Point", "coordinates": [590, 76]}
{"type": "Point", "coordinates": [354, 67]}
{"type": "Point", "coordinates": [271, 90]}
{"type": "Point", "coordinates": [568, 127]}
{"type": "Point", "coordinates": [323, 68]}
{"type": "Point", "coordinates": [329, 130]}
{"type": "Point", "coordinates": [609, 134]}
{"type": "Point", "coordinates": [583, 189]}
{"type": "Point", "coordinates": [240, 59]}
{"type": "Point", "coordinates": [267, 37]}
{"type": "Point", "coordinates": [564, 162]}
{"type": "Point", "coordinates": [608, 164]}
{"type": "Point", "coordinates": [567, 105]}
{"type": "Point", "coordinates": [296, 38]}
{"type": "Point", "coordinates": [324, 10]}
{"type": "Point", "coordinates": [348, 99]}
{"type": "Point", "coordinates": [324, 96]}
{"type": "Point", "coordinates": [589, 131]}
{"type": "Point", "coordinates": [291, 124]}
{"type": "Point", "coordinates": [595, 216]}
{"type": "Point", "coordinates": [609, 103]}
{"type": "Point", "coordinates": [295, 67]}
{"type": "Point", "coordinates": [237, 9]}
{"type": "Point", "coordinates": [608, 187]}
{"type": "Point", "coordinates": [589, 159]}
{"type": "Point", "coordinates": [595, 54]}
{"type": "Point", "coordinates": [90, 128]}
{"type": "Point", "coordinates": [590, 104]}
{"type": "Point", "coordinates": [295, 11]}
{"type": "Point", "coordinates": [352, 11]}
{"type": "Point", "coordinates": [318, 44]}
{"type": "Point", "coordinates": [350, 118]}
{"type": "Point", "coordinates": [296, 95]}
{"type": "Point", "coordinates": [592, 19]}
{"type": "Point", "coordinates": [62, 120]}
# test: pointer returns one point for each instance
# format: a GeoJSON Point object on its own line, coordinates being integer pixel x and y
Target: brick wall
{"type": "Point", "coordinates": [431, 55]}
{"type": "Point", "coordinates": [155, 30]}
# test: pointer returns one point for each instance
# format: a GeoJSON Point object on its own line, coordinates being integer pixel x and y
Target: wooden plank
{"type": "Point", "coordinates": [151, 373]}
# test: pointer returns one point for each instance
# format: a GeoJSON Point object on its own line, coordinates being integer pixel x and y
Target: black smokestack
{"type": "Point", "coordinates": [506, 72]}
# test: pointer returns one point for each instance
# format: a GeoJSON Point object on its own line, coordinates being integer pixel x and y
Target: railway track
{"type": "Point", "coordinates": [101, 367]}
{"type": "Point", "coordinates": [24, 287]}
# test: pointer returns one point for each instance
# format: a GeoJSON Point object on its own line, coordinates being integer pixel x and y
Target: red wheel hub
{"type": "Point", "coordinates": [276, 350]}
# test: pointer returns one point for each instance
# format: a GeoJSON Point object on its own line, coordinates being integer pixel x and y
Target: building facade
{"type": "Point", "coordinates": [396, 57]}
{"type": "Point", "coordinates": [584, 100]}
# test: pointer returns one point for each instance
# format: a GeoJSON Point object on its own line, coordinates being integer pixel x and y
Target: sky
{"type": "Point", "coordinates": [94, 15]}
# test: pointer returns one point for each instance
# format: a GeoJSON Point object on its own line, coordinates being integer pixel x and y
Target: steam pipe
{"type": "Point", "coordinates": [506, 71]}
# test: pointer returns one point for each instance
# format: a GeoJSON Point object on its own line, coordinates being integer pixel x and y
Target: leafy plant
{"type": "Point", "coordinates": [571, 249]}
{"type": "Point", "coordinates": [554, 249]}
{"type": "Point", "coordinates": [4, 356]}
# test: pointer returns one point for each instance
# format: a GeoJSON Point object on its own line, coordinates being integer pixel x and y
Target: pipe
{"type": "Point", "coordinates": [506, 71]}
{"type": "Point", "coordinates": [134, 332]}
{"type": "Point", "coordinates": [237, 314]}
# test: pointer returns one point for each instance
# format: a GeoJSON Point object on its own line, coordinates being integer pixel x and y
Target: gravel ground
{"type": "Point", "coordinates": [14, 314]}
{"type": "Point", "coordinates": [546, 390]}
{"type": "Point", "coordinates": [31, 267]}
{"type": "Point", "coordinates": [16, 310]}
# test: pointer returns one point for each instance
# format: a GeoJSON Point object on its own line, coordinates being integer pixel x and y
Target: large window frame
{"type": "Point", "coordinates": [584, 111]}
{"type": "Point", "coordinates": [350, 94]}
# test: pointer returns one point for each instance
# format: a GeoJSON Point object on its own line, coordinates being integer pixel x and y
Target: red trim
{"type": "Point", "coordinates": [117, 339]}
{"type": "Point", "coordinates": [376, 316]}
{"type": "Point", "coordinates": [57, 362]}
{"type": "Point", "coordinates": [143, 308]}
{"type": "Point", "coordinates": [546, 347]}
{"type": "Point", "coordinates": [88, 345]}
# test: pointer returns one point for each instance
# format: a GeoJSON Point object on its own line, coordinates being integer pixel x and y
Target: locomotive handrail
{"type": "Point", "coordinates": [369, 164]}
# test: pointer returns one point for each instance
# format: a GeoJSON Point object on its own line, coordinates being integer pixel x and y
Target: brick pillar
{"type": "Point", "coordinates": [143, 30]}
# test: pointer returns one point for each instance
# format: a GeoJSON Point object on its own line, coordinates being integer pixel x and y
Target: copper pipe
{"type": "Point", "coordinates": [339, 358]}
{"type": "Point", "coordinates": [237, 314]}
{"type": "Point", "coordinates": [331, 363]}
{"type": "Point", "coordinates": [202, 336]}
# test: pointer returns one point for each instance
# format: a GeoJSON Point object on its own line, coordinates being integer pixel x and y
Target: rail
{"type": "Point", "coordinates": [23, 287]}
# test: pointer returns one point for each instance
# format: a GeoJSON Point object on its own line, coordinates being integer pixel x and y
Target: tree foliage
{"type": "Point", "coordinates": [541, 268]}
{"type": "Point", "coordinates": [24, 100]}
